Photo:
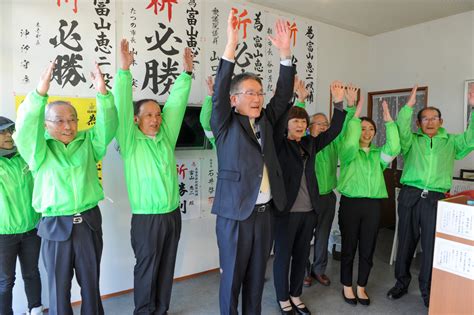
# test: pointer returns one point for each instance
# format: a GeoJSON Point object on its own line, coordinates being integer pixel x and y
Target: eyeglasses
{"type": "Point", "coordinates": [426, 120]}
{"type": "Point", "coordinates": [8, 130]}
{"type": "Point", "coordinates": [62, 122]}
{"type": "Point", "coordinates": [251, 93]}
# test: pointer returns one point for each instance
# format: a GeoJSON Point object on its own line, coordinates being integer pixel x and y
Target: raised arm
{"type": "Point", "coordinates": [464, 143]}
{"type": "Point", "coordinates": [284, 90]}
{"type": "Point", "coordinates": [404, 122]}
{"type": "Point", "coordinates": [221, 107]}
{"type": "Point", "coordinates": [391, 148]}
{"type": "Point", "coordinates": [29, 135]}
{"type": "Point", "coordinates": [175, 106]}
{"type": "Point", "coordinates": [106, 119]}
{"type": "Point", "coordinates": [123, 95]}
{"type": "Point", "coordinates": [301, 92]}
{"type": "Point", "coordinates": [337, 121]}
{"type": "Point", "coordinates": [278, 104]}
{"type": "Point", "coordinates": [349, 144]}
{"type": "Point", "coordinates": [206, 111]}
{"type": "Point", "coordinates": [350, 94]}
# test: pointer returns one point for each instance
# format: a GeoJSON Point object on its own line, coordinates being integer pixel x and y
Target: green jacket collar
{"type": "Point", "coordinates": [142, 136]}
{"type": "Point", "coordinates": [441, 133]}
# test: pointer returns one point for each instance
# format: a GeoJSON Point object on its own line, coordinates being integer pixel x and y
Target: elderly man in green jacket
{"type": "Point", "coordinates": [429, 156]}
{"type": "Point", "coordinates": [67, 188]}
{"type": "Point", "coordinates": [147, 137]}
{"type": "Point", "coordinates": [18, 234]}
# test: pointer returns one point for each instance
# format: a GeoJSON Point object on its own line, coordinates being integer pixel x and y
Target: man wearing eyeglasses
{"type": "Point", "coordinates": [429, 156]}
{"type": "Point", "coordinates": [18, 219]}
{"type": "Point", "coordinates": [249, 184]}
{"type": "Point", "coordinates": [67, 188]}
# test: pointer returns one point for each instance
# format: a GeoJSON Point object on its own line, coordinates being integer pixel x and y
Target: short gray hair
{"type": "Point", "coordinates": [51, 105]}
{"type": "Point", "coordinates": [318, 114]}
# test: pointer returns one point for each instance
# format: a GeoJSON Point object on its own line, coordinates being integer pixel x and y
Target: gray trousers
{"type": "Point", "coordinates": [327, 209]}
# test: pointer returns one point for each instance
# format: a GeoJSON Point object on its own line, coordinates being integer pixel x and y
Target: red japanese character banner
{"type": "Point", "coordinates": [76, 33]}
{"type": "Point", "coordinates": [189, 178]}
{"type": "Point", "coordinates": [255, 52]}
{"type": "Point", "coordinates": [158, 32]}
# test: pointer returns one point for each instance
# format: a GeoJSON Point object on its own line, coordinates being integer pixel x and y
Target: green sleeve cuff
{"type": "Point", "coordinates": [104, 96]}
{"type": "Point", "coordinates": [39, 97]}
{"type": "Point", "coordinates": [300, 104]}
{"type": "Point", "coordinates": [407, 108]}
{"type": "Point", "coordinates": [350, 109]}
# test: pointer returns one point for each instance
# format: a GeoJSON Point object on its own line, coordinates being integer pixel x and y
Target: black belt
{"type": "Point", "coordinates": [425, 193]}
{"type": "Point", "coordinates": [262, 207]}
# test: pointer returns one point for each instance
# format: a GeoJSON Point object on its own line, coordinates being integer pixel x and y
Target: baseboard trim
{"type": "Point", "coordinates": [111, 295]}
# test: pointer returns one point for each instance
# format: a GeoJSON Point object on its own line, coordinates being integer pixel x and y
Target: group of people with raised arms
{"type": "Point", "coordinates": [275, 186]}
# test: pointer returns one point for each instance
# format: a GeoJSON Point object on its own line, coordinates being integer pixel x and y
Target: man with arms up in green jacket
{"type": "Point", "coordinates": [147, 137]}
{"type": "Point", "coordinates": [67, 188]}
{"type": "Point", "coordinates": [18, 235]}
{"type": "Point", "coordinates": [429, 156]}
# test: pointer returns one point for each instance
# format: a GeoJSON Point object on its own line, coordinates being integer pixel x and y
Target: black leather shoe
{"type": "Point", "coordinates": [349, 301]}
{"type": "Point", "coordinates": [395, 293]}
{"type": "Point", "coordinates": [365, 302]}
{"type": "Point", "coordinates": [288, 310]}
{"type": "Point", "coordinates": [300, 310]}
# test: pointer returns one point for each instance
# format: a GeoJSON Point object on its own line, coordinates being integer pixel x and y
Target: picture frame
{"type": "Point", "coordinates": [467, 174]}
{"type": "Point", "coordinates": [468, 84]}
{"type": "Point", "coordinates": [396, 99]}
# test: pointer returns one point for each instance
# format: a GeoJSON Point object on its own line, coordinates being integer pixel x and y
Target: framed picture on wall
{"type": "Point", "coordinates": [467, 174]}
{"type": "Point", "coordinates": [469, 84]}
{"type": "Point", "coordinates": [396, 99]}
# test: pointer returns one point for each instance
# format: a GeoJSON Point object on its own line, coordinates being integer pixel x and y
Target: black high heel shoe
{"type": "Point", "coordinates": [287, 310]}
{"type": "Point", "coordinates": [300, 310]}
{"type": "Point", "coordinates": [365, 302]}
{"type": "Point", "coordinates": [348, 300]}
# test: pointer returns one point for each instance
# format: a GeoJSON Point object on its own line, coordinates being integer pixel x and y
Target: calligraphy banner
{"type": "Point", "coordinates": [77, 34]}
{"type": "Point", "coordinates": [189, 176]}
{"type": "Point", "coordinates": [158, 32]}
{"type": "Point", "coordinates": [255, 52]}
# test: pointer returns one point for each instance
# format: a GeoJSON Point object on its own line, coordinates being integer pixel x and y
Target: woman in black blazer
{"type": "Point", "coordinates": [294, 226]}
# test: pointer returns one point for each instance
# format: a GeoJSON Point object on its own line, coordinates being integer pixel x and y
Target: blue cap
{"type": "Point", "coordinates": [5, 123]}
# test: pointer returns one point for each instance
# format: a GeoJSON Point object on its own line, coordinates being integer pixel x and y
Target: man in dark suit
{"type": "Point", "coordinates": [249, 184]}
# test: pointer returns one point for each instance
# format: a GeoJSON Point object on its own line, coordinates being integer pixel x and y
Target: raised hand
{"type": "Point", "coordinates": [337, 91]}
{"type": "Point", "coordinates": [45, 79]}
{"type": "Point", "coordinates": [351, 94]}
{"type": "Point", "coordinates": [188, 58]}
{"type": "Point", "coordinates": [232, 36]}
{"type": "Point", "coordinates": [412, 98]}
{"type": "Point", "coordinates": [210, 85]}
{"type": "Point", "coordinates": [282, 38]}
{"type": "Point", "coordinates": [126, 56]}
{"type": "Point", "coordinates": [386, 112]}
{"type": "Point", "coordinates": [98, 80]}
{"type": "Point", "coordinates": [300, 89]}
{"type": "Point", "coordinates": [360, 104]}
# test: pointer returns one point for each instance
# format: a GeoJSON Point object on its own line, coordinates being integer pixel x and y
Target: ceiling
{"type": "Point", "coordinates": [370, 17]}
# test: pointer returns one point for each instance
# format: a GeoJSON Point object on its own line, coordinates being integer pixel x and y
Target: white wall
{"type": "Point", "coordinates": [341, 55]}
{"type": "Point", "coordinates": [438, 54]}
